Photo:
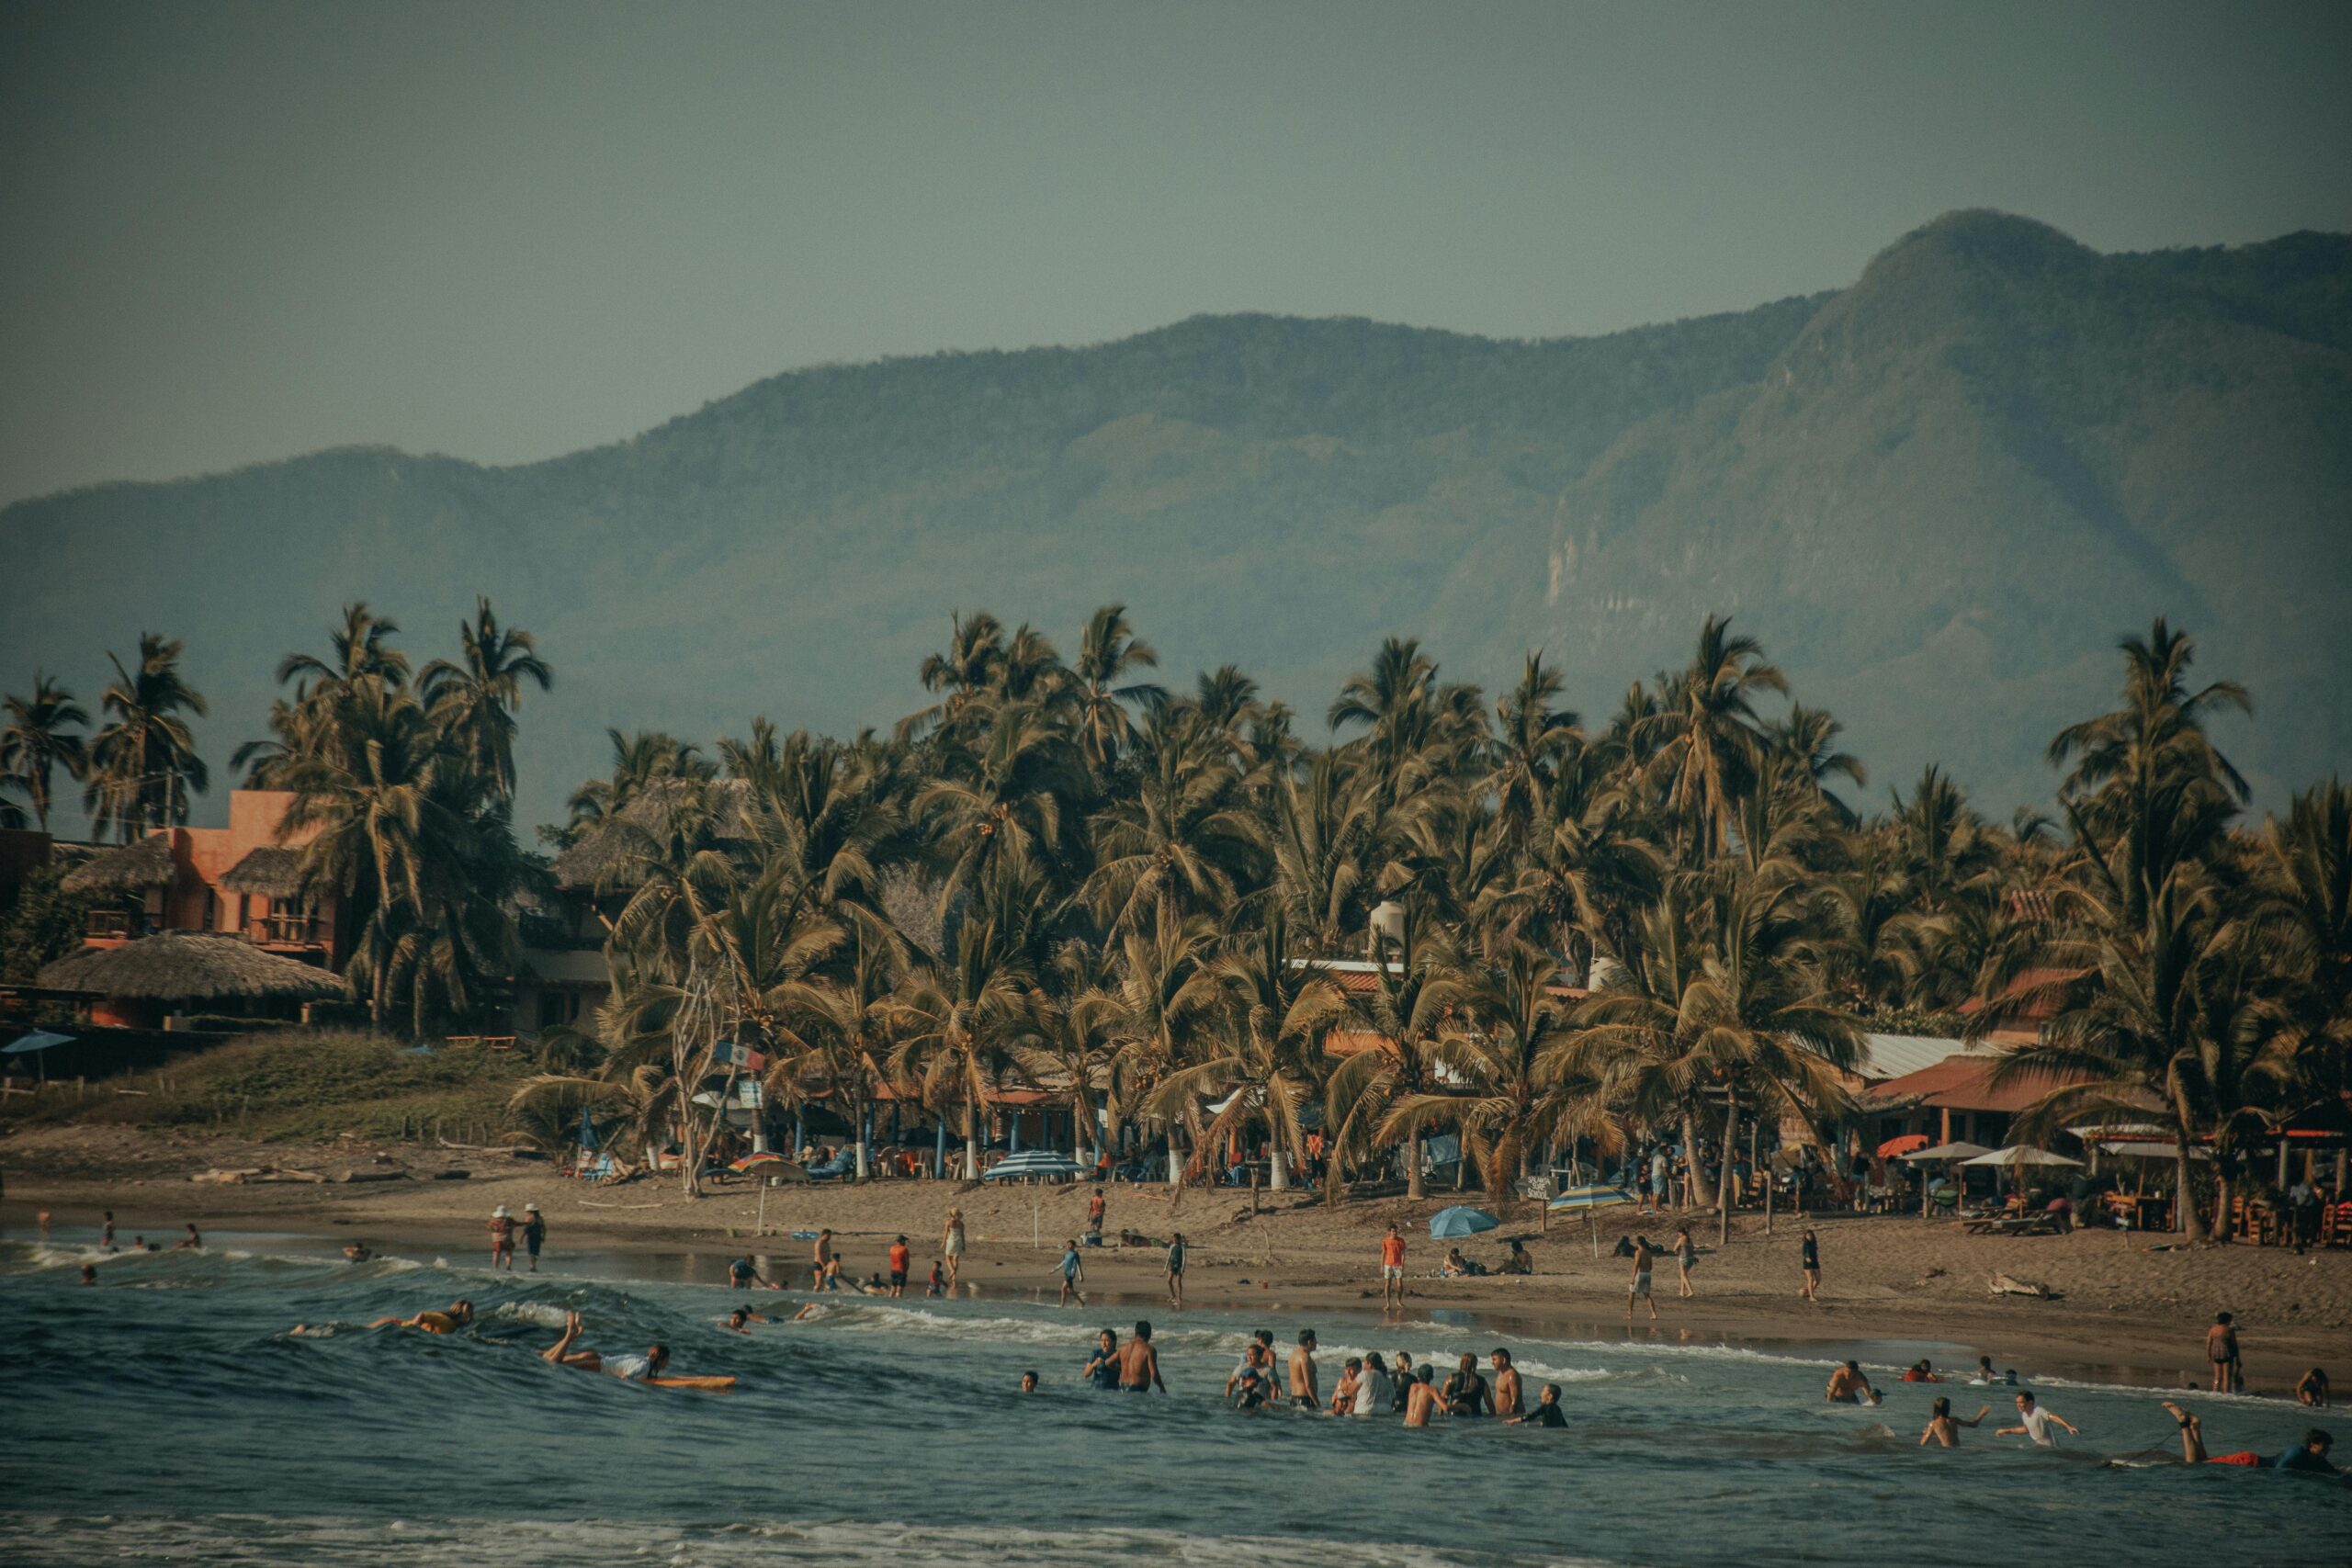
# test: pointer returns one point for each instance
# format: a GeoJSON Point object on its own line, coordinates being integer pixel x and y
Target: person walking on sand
{"type": "Point", "coordinates": [502, 1240]}
{"type": "Point", "coordinates": [1685, 1255]}
{"type": "Point", "coordinates": [1943, 1426]}
{"type": "Point", "coordinates": [902, 1259]}
{"type": "Point", "coordinates": [1073, 1270]}
{"type": "Point", "coordinates": [535, 1233]}
{"type": "Point", "coordinates": [2034, 1421]}
{"type": "Point", "coordinates": [1176, 1272]}
{"type": "Point", "coordinates": [1809, 1264]}
{"type": "Point", "coordinates": [2221, 1350]}
{"type": "Point", "coordinates": [951, 1246]}
{"type": "Point", "coordinates": [1638, 1287]}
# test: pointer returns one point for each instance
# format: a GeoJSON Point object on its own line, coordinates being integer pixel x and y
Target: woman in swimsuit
{"type": "Point", "coordinates": [1685, 1255]}
{"type": "Point", "coordinates": [1943, 1426]}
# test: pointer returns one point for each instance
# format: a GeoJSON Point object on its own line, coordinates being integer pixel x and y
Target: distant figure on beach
{"type": "Point", "coordinates": [1094, 1211]}
{"type": "Point", "coordinates": [1849, 1386]}
{"type": "Point", "coordinates": [1302, 1373]}
{"type": "Point", "coordinates": [1421, 1399]}
{"type": "Point", "coordinates": [461, 1314]}
{"type": "Point", "coordinates": [902, 1259]}
{"type": "Point", "coordinates": [535, 1233]}
{"type": "Point", "coordinates": [2221, 1350]}
{"type": "Point", "coordinates": [2311, 1389]}
{"type": "Point", "coordinates": [1943, 1426]}
{"type": "Point", "coordinates": [1657, 1180]}
{"type": "Point", "coordinates": [1392, 1267]}
{"type": "Point", "coordinates": [1685, 1255]}
{"type": "Point", "coordinates": [502, 1240]}
{"type": "Point", "coordinates": [1073, 1270]}
{"type": "Point", "coordinates": [821, 1261]}
{"type": "Point", "coordinates": [191, 1242]}
{"type": "Point", "coordinates": [106, 1232]}
{"type": "Point", "coordinates": [1139, 1363]}
{"type": "Point", "coordinates": [1102, 1367]}
{"type": "Point", "coordinates": [1506, 1384]}
{"type": "Point", "coordinates": [951, 1246]}
{"type": "Point", "coordinates": [2035, 1421]}
{"type": "Point", "coordinates": [1638, 1287]}
{"type": "Point", "coordinates": [1176, 1272]}
{"type": "Point", "coordinates": [1809, 1262]}
{"type": "Point", "coordinates": [2311, 1456]}
{"type": "Point", "coordinates": [1547, 1413]}
{"type": "Point", "coordinates": [1522, 1261]}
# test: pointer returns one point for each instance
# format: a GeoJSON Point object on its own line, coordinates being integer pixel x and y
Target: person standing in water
{"type": "Point", "coordinates": [535, 1233]}
{"type": "Point", "coordinates": [902, 1259]}
{"type": "Point", "coordinates": [1638, 1287]}
{"type": "Point", "coordinates": [502, 1240]}
{"type": "Point", "coordinates": [106, 1232]}
{"type": "Point", "coordinates": [1421, 1399]}
{"type": "Point", "coordinates": [1102, 1367]}
{"type": "Point", "coordinates": [1302, 1373]}
{"type": "Point", "coordinates": [1943, 1426]}
{"type": "Point", "coordinates": [1375, 1390]}
{"type": "Point", "coordinates": [2221, 1350]}
{"type": "Point", "coordinates": [1176, 1272]}
{"type": "Point", "coordinates": [2035, 1421]}
{"type": "Point", "coordinates": [951, 1246]}
{"type": "Point", "coordinates": [191, 1242]}
{"type": "Point", "coordinates": [1073, 1270]}
{"type": "Point", "coordinates": [1506, 1384]}
{"type": "Point", "coordinates": [1139, 1363]}
{"type": "Point", "coordinates": [1809, 1262]}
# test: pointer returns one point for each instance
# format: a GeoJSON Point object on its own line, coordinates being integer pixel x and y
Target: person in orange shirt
{"type": "Point", "coordinates": [1392, 1267]}
{"type": "Point", "coordinates": [900, 1260]}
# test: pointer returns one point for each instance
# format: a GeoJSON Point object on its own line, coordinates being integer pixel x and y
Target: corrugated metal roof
{"type": "Point", "coordinates": [1892, 1055]}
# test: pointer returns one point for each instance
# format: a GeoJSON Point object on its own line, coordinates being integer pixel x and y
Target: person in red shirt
{"type": "Point", "coordinates": [900, 1260]}
{"type": "Point", "coordinates": [1094, 1207]}
{"type": "Point", "coordinates": [1392, 1267]}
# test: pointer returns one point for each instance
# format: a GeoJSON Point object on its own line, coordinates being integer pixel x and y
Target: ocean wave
{"type": "Point", "coordinates": [60, 1539]}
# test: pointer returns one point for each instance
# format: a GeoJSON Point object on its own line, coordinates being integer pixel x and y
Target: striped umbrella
{"type": "Point", "coordinates": [1046, 1163]}
{"type": "Point", "coordinates": [1589, 1201]}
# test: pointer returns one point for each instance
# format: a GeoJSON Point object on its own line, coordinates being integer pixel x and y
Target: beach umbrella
{"type": "Point", "coordinates": [1956, 1150]}
{"type": "Point", "coordinates": [762, 1165]}
{"type": "Point", "coordinates": [39, 1040]}
{"type": "Point", "coordinates": [1459, 1221]}
{"type": "Point", "coordinates": [1051, 1163]}
{"type": "Point", "coordinates": [1895, 1148]}
{"type": "Point", "coordinates": [1590, 1199]}
{"type": "Point", "coordinates": [2018, 1155]}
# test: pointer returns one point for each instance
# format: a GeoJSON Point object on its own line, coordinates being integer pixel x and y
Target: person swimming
{"type": "Point", "coordinates": [459, 1315]}
{"type": "Point", "coordinates": [1546, 1412]}
{"type": "Point", "coordinates": [628, 1368]}
{"type": "Point", "coordinates": [1921, 1371]}
{"type": "Point", "coordinates": [737, 1319]}
{"type": "Point", "coordinates": [1849, 1386]}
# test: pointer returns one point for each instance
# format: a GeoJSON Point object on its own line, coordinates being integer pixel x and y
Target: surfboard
{"type": "Point", "coordinates": [705, 1385]}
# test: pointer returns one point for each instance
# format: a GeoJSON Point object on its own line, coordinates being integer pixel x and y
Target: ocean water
{"type": "Point", "coordinates": [167, 1415]}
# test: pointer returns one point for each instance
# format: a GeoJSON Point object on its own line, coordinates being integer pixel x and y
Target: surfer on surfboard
{"type": "Point", "coordinates": [646, 1368]}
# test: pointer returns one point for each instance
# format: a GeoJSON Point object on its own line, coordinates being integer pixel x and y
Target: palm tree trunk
{"type": "Point", "coordinates": [2222, 1229]}
{"type": "Point", "coordinates": [1689, 1160]}
{"type": "Point", "coordinates": [2186, 1218]}
{"type": "Point", "coordinates": [863, 1131]}
{"type": "Point", "coordinates": [1413, 1166]}
{"type": "Point", "coordinates": [1722, 1193]}
{"type": "Point", "coordinates": [1175, 1157]}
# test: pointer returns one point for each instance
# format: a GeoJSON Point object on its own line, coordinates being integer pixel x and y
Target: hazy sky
{"type": "Point", "coordinates": [230, 233]}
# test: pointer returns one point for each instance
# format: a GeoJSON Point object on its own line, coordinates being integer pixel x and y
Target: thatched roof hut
{"type": "Point", "coordinates": [269, 872]}
{"type": "Point", "coordinates": [187, 966]}
{"type": "Point", "coordinates": [133, 868]}
{"type": "Point", "coordinates": [605, 858]}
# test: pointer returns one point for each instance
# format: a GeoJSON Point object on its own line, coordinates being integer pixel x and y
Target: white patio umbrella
{"type": "Point", "coordinates": [1953, 1152]}
{"type": "Point", "coordinates": [2018, 1155]}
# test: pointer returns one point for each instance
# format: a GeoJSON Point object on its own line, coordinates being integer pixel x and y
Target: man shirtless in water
{"type": "Point", "coordinates": [1302, 1371]}
{"type": "Point", "coordinates": [1139, 1363]}
{"type": "Point", "coordinates": [1422, 1401]}
{"type": "Point", "coordinates": [1506, 1384]}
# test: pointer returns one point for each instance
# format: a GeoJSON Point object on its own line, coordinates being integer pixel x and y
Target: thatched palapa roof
{"type": "Point", "coordinates": [135, 868]}
{"type": "Point", "coordinates": [186, 966]}
{"type": "Point", "coordinates": [270, 872]}
{"type": "Point", "coordinates": [605, 857]}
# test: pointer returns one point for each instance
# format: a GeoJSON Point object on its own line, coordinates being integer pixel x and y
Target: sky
{"type": "Point", "coordinates": [502, 231]}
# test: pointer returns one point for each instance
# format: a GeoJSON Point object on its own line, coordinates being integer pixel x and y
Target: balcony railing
{"type": "Point", "coordinates": [287, 930]}
{"type": "Point", "coordinates": [118, 924]}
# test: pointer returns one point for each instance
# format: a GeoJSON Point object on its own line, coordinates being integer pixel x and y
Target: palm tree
{"type": "Point", "coordinates": [2304, 917]}
{"type": "Point", "coordinates": [142, 764]}
{"type": "Point", "coordinates": [474, 699]}
{"type": "Point", "coordinates": [1165, 993]}
{"type": "Point", "coordinates": [957, 1026]}
{"type": "Point", "coordinates": [1109, 653]}
{"type": "Point", "coordinates": [1323, 840]}
{"type": "Point", "coordinates": [1411, 1013]}
{"type": "Point", "coordinates": [35, 744]}
{"type": "Point", "coordinates": [1181, 842]}
{"type": "Point", "coordinates": [1263, 1043]}
{"type": "Point", "coordinates": [1005, 803]}
{"type": "Point", "coordinates": [1705, 734]}
{"type": "Point", "coordinates": [838, 1029]}
{"type": "Point", "coordinates": [1530, 739]}
{"type": "Point", "coordinates": [1808, 737]}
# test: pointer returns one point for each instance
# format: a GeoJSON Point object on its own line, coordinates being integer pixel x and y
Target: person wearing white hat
{"type": "Point", "coordinates": [535, 1233]}
{"type": "Point", "coordinates": [502, 1240]}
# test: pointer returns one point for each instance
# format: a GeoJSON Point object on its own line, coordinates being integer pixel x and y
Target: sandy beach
{"type": "Point", "coordinates": [2131, 1307]}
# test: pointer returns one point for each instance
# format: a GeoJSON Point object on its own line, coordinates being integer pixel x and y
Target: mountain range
{"type": "Point", "coordinates": [1939, 496]}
